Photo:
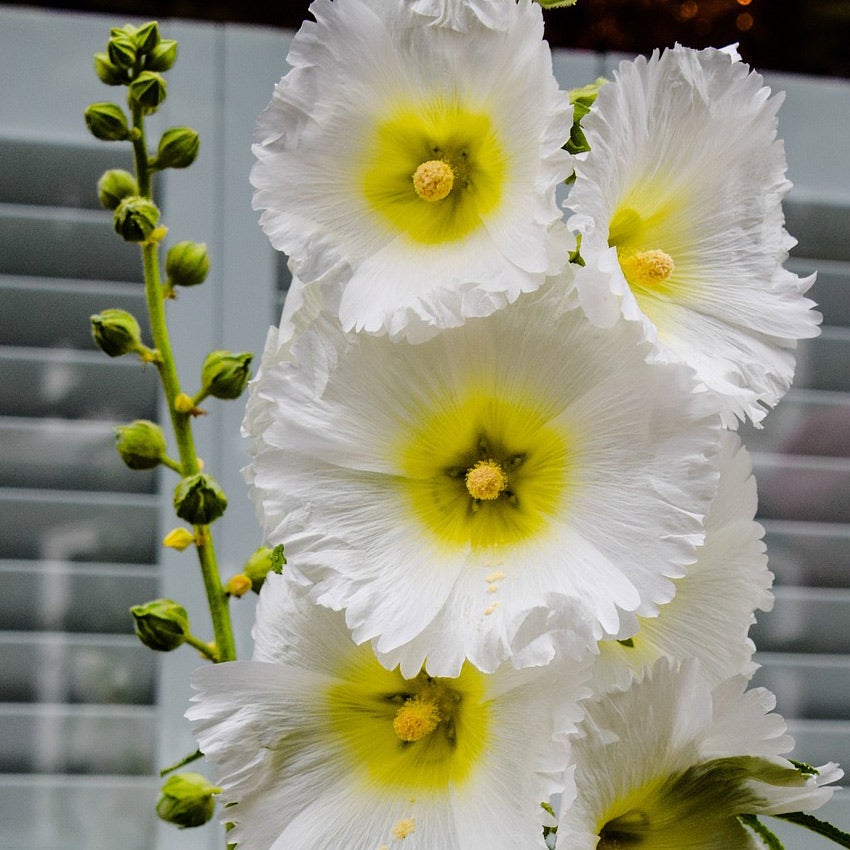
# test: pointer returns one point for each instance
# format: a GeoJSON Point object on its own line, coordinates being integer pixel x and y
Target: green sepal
{"type": "Point", "coordinates": [147, 91]}
{"type": "Point", "coordinates": [107, 72]}
{"type": "Point", "coordinates": [163, 56]}
{"type": "Point", "coordinates": [178, 148]}
{"type": "Point", "coordinates": [262, 562]}
{"type": "Point", "coordinates": [135, 218]}
{"type": "Point", "coordinates": [768, 838]}
{"type": "Point", "coordinates": [146, 37]}
{"type": "Point", "coordinates": [122, 51]}
{"type": "Point", "coordinates": [107, 122]}
{"type": "Point", "coordinates": [116, 332]}
{"type": "Point", "coordinates": [187, 264]}
{"type": "Point", "coordinates": [115, 185]}
{"type": "Point", "coordinates": [582, 100]}
{"type": "Point", "coordinates": [141, 444]}
{"type": "Point", "coordinates": [556, 4]}
{"type": "Point", "coordinates": [225, 374]}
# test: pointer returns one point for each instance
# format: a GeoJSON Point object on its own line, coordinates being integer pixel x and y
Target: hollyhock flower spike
{"type": "Point", "coordinates": [454, 495]}
{"type": "Point", "coordinates": [679, 202]}
{"type": "Point", "coordinates": [673, 764]}
{"type": "Point", "coordinates": [412, 155]}
{"type": "Point", "coordinates": [713, 609]}
{"type": "Point", "coordinates": [319, 747]}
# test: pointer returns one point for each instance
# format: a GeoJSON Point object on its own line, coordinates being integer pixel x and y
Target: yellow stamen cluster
{"type": "Point", "coordinates": [647, 268]}
{"type": "Point", "coordinates": [416, 719]}
{"type": "Point", "coordinates": [433, 180]}
{"type": "Point", "coordinates": [486, 480]}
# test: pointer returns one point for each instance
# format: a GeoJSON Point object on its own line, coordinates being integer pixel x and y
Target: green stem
{"type": "Point", "coordinates": [217, 599]}
{"type": "Point", "coordinates": [203, 648]}
{"type": "Point", "coordinates": [827, 830]}
{"type": "Point", "coordinates": [182, 763]}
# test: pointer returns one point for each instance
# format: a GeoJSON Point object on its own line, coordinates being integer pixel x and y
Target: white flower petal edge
{"type": "Point", "coordinates": [360, 472]}
{"type": "Point", "coordinates": [305, 743]}
{"type": "Point", "coordinates": [713, 609]}
{"type": "Point", "coordinates": [685, 165]}
{"type": "Point", "coordinates": [463, 15]}
{"type": "Point", "coordinates": [671, 762]}
{"type": "Point", "coordinates": [372, 85]}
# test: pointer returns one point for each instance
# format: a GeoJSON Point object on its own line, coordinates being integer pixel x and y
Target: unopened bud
{"type": "Point", "coordinates": [184, 403]}
{"type": "Point", "coordinates": [163, 56]}
{"type": "Point", "coordinates": [238, 585]}
{"type": "Point", "coordinates": [147, 90]}
{"type": "Point", "coordinates": [161, 624]}
{"type": "Point", "coordinates": [135, 218]}
{"type": "Point", "coordinates": [108, 73]}
{"type": "Point", "coordinates": [225, 374]}
{"type": "Point", "coordinates": [115, 185]}
{"type": "Point", "coordinates": [260, 564]}
{"type": "Point", "coordinates": [107, 122]}
{"type": "Point", "coordinates": [187, 263]}
{"type": "Point", "coordinates": [187, 800]}
{"type": "Point", "coordinates": [178, 148]}
{"type": "Point", "coordinates": [178, 538]}
{"type": "Point", "coordinates": [141, 444]}
{"type": "Point", "coordinates": [146, 37]}
{"type": "Point", "coordinates": [116, 332]}
{"type": "Point", "coordinates": [198, 499]}
{"type": "Point", "coordinates": [122, 51]}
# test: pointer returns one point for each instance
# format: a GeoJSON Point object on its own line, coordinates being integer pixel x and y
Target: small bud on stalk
{"type": "Point", "coordinates": [187, 264]}
{"type": "Point", "coordinates": [259, 565]}
{"type": "Point", "coordinates": [163, 56]}
{"type": "Point", "coordinates": [238, 585]}
{"type": "Point", "coordinates": [199, 500]}
{"type": "Point", "coordinates": [187, 800]}
{"type": "Point", "coordinates": [146, 37]}
{"type": "Point", "coordinates": [116, 332]}
{"type": "Point", "coordinates": [122, 51]}
{"type": "Point", "coordinates": [225, 374]}
{"type": "Point", "coordinates": [178, 538]}
{"type": "Point", "coordinates": [147, 91]}
{"type": "Point", "coordinates": [136, 218]}
{"type": "Point", "coordinates": [107, 122]}
{"type": "Point", "coordinates": [141, 444]}
{"type": "Point", "coordinates": [161, 624]}
{"type": "Point", "coordinates": [115, 185]}
{"type": "Point", "coordinates": [178, 148]}
{"type": "Point", "coordinates": [108, 73]}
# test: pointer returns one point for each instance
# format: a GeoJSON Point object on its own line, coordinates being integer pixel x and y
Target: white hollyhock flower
{"type": "Point", "coordinates": [670, 764]}
{"type": "Point", "coordinates": [680, 201]}
{"type": "Point", "coordinates": [415, 163]}
{"type": "Point", "coordinates": [319, 747]}
{"type": "Point", "coordinates": [458, 494]}
{"type": "Point", "coordinates": [713, 609]}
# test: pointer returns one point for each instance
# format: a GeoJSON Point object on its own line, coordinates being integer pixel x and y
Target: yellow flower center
{"type": "Point", "coordinates": [415, 734]}
{"type": "Point", "coordinates": [486, 480]}
{"type": "Point", "coordinates": [433, 171]}
{"type": "Point", "coordinates": [646, 269]}
{"type": "Point", "coordinates": [418, 717]}
{"type": "Point", "coordinates": [433, 180]}
{"type": "Point", "coordinates": [486, 472]}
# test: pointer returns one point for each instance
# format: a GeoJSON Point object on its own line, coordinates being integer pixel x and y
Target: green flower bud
{"type": "Point", "coordinates": [115, 185]}
{"type": "Point", "coordinates": [225, 374]}
{"type": "Point", "coordinates": [198, 499]}
{"type": "Point", "coordinates": [187, 263]}
{"type": "Point", "coordinates": [163, 56]}
{"type": "Point", "coordinates": [141, 444]}
{"type": "Point", "coordinates": [187, 800]}
{"type": "Point", "coordinates": [122, 51]}
{"type": "Point", "coordinates": [116, 332]}
{"type": "Point", "coordinates": [107, 72]}
{"type": "Point", "coordinates": [178, 148]}
{"type": "Point", "coordinates": [556, 4]}
{"type": "Point", "coordinates": [106, 121]}
{"type": "Point", "coordinates": [116, 32]}
{"type": "Point", "coordinates": [147, 90]}
{"type": "Point", "coordinates": [260, 564]}
{"type": "Point", "coordinates": [135, 218]}
{"type": "Point", "coordinates": [161, 624]}
{"type": "Point", "coordinates": [146, 37]}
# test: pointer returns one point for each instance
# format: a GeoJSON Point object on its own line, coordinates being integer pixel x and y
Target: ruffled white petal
{"type": "Point", "coordinates": [713, 609]}
{"type": "Point", "coordinates": [690, 136]}
{"type": "Point", "coordinates": [673, 760]}
{"type": "Point", "coordinates": [327, 482]}
{"type": "Point", "coordinates": [290, 784]}
{"type": "Point", "coordinates": [357, 63]}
